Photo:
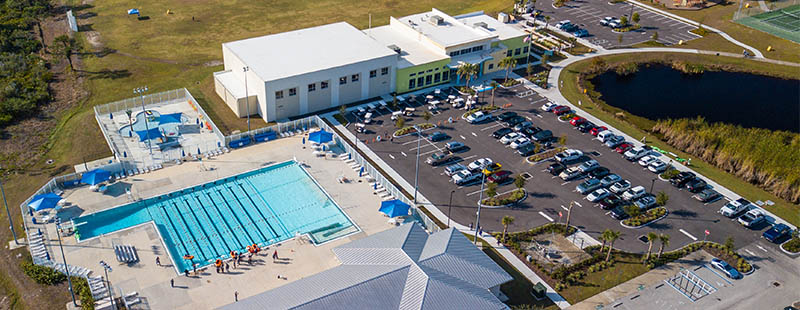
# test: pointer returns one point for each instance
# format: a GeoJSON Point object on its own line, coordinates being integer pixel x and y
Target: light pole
{"type": "Point", "coordinates": [450, 207]}
{"type": "Point", "coordinates": [480, 199]}
{"type": "Point", "coordinates": [246, 98]}
{"type": "Point", "coordinates": [64, 257]}
{"type": "Point", "coordinates": [416, 170]}
{"type": "Point", "coordinates": [106, 269]}
{"type": "Point", "coordinates": [141, 91]}
{"type": "Point", "coordinates": [10, 221]}
{"type": "Point", "coordinates": [652, 184]}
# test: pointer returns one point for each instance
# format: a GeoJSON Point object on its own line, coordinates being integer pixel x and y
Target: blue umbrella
{"type": "Point", "coordinates": [124, 154]}
{"type": "Point", "coordinates": [394, 208]}
{"type": "Point", "coordinates": [198, 151]}
{"type": "Point", "coordinates": [44, 201]}
{"type": "Point", "coordinates": [111, 115]}
{"type": "Point", "coordinates": [360, 171]}
{"type": "Point", "coordinates": [321, 136]}
{"type": "Point", "coordinates": [95, 176]}
{"type": "Point", "coordinates": [183, 153]}
{"type": "Point", "coordinates": [304, 140]}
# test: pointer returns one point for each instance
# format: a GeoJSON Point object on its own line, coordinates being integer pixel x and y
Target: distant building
{"type": "Point", "coordinates": [308, 70]}
{"type": "Point", "coordinates": [401, 268]}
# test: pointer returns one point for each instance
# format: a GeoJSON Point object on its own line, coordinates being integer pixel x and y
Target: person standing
{"type": "Point", "coordinates": [158, 261]}
{"type": "Point", "coordinates": [275, 255]}
{"type": "Point", "coordinates": [236, 296]}
{"type": "Point", "coordinates": [171, 282]}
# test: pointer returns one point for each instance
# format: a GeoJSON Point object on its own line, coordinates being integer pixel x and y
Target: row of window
{"type": "Point", "coordinates": [429, 79]}
{"type": "Point", "coordinates": [467, 50]}
{"type": "Point", "coordinates": [517, 51]}
{"type": "Point", "coordinates": [324, 84]}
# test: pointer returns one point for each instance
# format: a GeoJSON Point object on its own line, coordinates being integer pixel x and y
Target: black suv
{"type": "Point", "coordinates": [619, 213]}
{"type": "Point", "coordinates": [511, 122]}
{"type": "Point", "coordinates": [506, 116]}
{"type": "Point", "coordinates": [696, 185]}
{"type": "Point", "coordinates": [610, 202]}
{"type": "Point", "coordinates": [682, 178]}
{"type": "Point", "coordinates": [556, 168]}
{"type": "Point", "coordinates": [530, 131]}
{"type": "Point", "coordinates": [497, 134]}
{"type": "Point", "coordinates": [585, 127]}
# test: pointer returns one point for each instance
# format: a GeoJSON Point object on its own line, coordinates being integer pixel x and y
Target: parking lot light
{"type": "Point", "coordinates": [480, 199]}
{"type": "Point", "coordinates": [416, 170]}
{"type": "Point", "coordinates": [450, 207]}
{"type": "Point", "coordinates": [652, 184]}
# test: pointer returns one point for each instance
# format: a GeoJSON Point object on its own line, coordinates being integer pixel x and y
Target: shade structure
{"type": "Point", "coordinates": [44, 201]}
{"type": "Point", "coordinates": [95, 176]}
{"type": "Point", "coordinates": [321, 136]}
{"type": "Point", "coordinates": [394, 208]}
{"type": "Point", "coordinates": [169, 118]}
{"type": "Point", "coordinates": [144, 135]}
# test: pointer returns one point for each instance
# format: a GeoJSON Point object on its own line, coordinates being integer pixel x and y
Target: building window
{"type": "Point", "coordinates": [421, 72]}
{"type": "Point", "coordinates": [428, 80]}
{"type": "Point", "coordinates": [525, 50]}
{"type": "Point", "coordinates": [509, 53]}
{"type": "Point", "coordinates": [355, 77]}
{"type": "Point", "coordinates": [312, 87]}
{"type": "Point", "coordinates": [279, 94]}
{"type": "Point", "coordinates": [412, 74]}
{"type": "Point", "coordinates": [373, 73]}
{"type": "Point", "coordinates": [384, 70]}
{"type": "Point", "coordinates": [516, 51]}
{"type": "Point", "coordinates": [491, 66]}
{"type": "Point", "coordinates": [429, 70]}
{"type": "Point", "coordinates": [437, 77]}
{"type": "Point", "coordinates": [343, 80]}
{"type": "Point", "coordinates": [411, 84]}
{"type": "Point", "coordinates": [292, 91]}
{"type": "Point", "coordinates": [323, 85]}
{"type": "Point", "coordinates": [465, 51]}
{"type": "Point", "coordinates": [445, 75]}
{"type": "Point", "coordinates": [453, 53]}
{"type": "Point", "coordinates": [420, 81]}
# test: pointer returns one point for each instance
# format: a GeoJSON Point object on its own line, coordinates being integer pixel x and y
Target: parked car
{"type": "Point", "coordinates": [510, 137]}
{"type": "Point", "coordinates": [605, 135]}
{"type": "Point", "coordinates": [523, 125]}
{"type": "Point", "coordinates": [497, 134]}
{"type": "Point", "coordinates": [610, 179]}
{"type": "Point", "coordinates": [491, 168]}
{"type": "Point", "coordinates": [647, 160]}
{"type": "Point", "coordinates": [479, 164]}
{"type": "Point", "coordinates": [464, 177]}
{"type": "Point", "coordinates": [682, 178]}
{"type": "Point", "coordinates": [620, 187]}
{"type": "Point", "coordinates": [636, 153]}
{"type": "Point", "coordinates": [570, 28]}
{"type": "Point", "coordinates": [634, 193]}
{"type": "Point", "coordinates": [455, 146]}
{"type": "Point", "coordinates": [568, 155]}
{"type": "Point", "coordinates": [595, 131]}
{"type": "Point", "coordinates": [570, 173]}
{"type": "Point", "coordinates": [619, 213]}
{"type": "Point", "coordinates": [530, 131]}
{"type": "Point", "coordinates": [609, 202]}
{"type": "Point", "coordinates": [588, 165]}
{"type": "Point", "coordinates": [606, 20]}
{"type": "Point", "coordinates": [645, 202]}
{"type": "Point", "coordinates": [586, 126]}
{"type": "Point", "coordinates": [513, 121]}
{"type": "Point", "coordinates": [562, 109]}
{"type": "Point", "coordinates": [696, 185]}
{"type": "Point", "coordinates": [657, 166]}
{"type": "Point", "coordinates": [542, 136]}
{"type": "Point", "coordinates": [548, 106]}
{"type": "Point", "coordinates": [527, 149]}
{"type": "Point", "coordinates": [580, 33]}
{"type": "Point", "coordinates": [752, 218]}
{"type": "Point", "coordinates": [706, 195]}
{"type": "Point", "coordinates": [613, 142]}
{"type": "Point", "coordinates": [437, 159]}
{"type": "Point", "coordinates": [575, 121]}
{"type": "Point", "coordinates": [777, 232]}
{"type": "Point", "coordinates": [438, 136]}
{"type": "Point", "coordinates": [499, 176]}
{"type": "Point", "coordinates": [599, 172]}
{"type": "Point", "coordinates": [506, 116]}
{"type": "Point", "coordinates": [516, 144]}
{"type": "Point", "coordinates": [561, 24]}
{"type": "Point", "coordinates": [598, 194]}
{"type": "Point", "coordinates": [588, 186]}
{"type": "Point", "coordinates": [726, 268]}
{"type": "Point", "coordinates": [478, 117]}
{"type": "Point", "coordinates": [452, 169]}
{"type": "Point", "coordinates": [556, 168]}
{"type": "Point", "coordinates": [624, 147]}
{"type": "Point", "coordinates": [735, 207]}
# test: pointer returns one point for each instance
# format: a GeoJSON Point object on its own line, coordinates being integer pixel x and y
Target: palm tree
{"type": "Point", "coordinates": [604, 237]}
{"type": "Point", "coordinates": [467, 70]}
{"type": "Point", "coordinates": [664, 238]}
{"type": "Point", "coordinates": [508, 63]}
{"type": "Point", "coordinates": [507, 220]}
{"type": "Point", "coordinates": [612, 236]}
{"type": "Point", "coordinates": [546, 21]}
{"type": "Point", "coordinates": [494, 86]}
{"type": "Point", "coordinates": [651, 238]}
{"type": "Point", "coordinates": [572, 42]}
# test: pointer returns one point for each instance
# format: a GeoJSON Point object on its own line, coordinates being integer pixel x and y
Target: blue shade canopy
{"type": "Point", "coordinates": [169, 118]}
{"type": "Point", "coordinates": [321, 136]}
{"type": "Point", "coordinates": [133, 11]}
{"type": "Point", "coordinates": [394, 208]}
{"type": "Point", "coordinates": [44, 201]}
{"type": "Point", "coordinates": [153, 133]}
{"type": "Point", "coordinates": [95, 176]}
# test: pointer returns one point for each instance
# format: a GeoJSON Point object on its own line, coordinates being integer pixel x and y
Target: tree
{"type": "Point", "coordinates": [651, 238]}
{"type": "Point", "coordinates": [546, 21]}
{"type": "Point", "coordinates": [662, 198]}
{"type": "Point", "coordinates": [623, 20]}
{"type": "Point", "coordinates": [635, 17]}
{"type": "Point", "coordinates": [37, 10]}
{"type": "Point", "coordinates": [632, 210]}
{"type": "Point", "coordinates": [664, 238]}
{"type": "Point", "coordinates": [544, 59]}
{"type": "Point", "coordinates": [572, 42]}
{"type": "Point", "coordinates": [467, 70]}
{"type": "Point", "coordinates": [64, 47]}
{"type": "Point", "coordinates": [507, 63]}
{"type": "Point", "coordinates": [604, 237]}
{"type": "Point", "coordinates": [598, 64]}
{"type": "Point", "coordinates": [654, 37]}
{"type": "Point", "coordinates": [400, 122]}
{"type": "Point", "coordinates": [612, 236]}
{"type": "Point", "coordinates": [342, 110]}
{"type": "Point", "coordinates": [491, 189]}
{"type": "Point", "coordinates": [394, 101]}
{"type": "Point", "coordinates": [427, 116]}
{"type": "Point", "coordinates": [729, 243]}
{"type": "Point", "coordinates": [494, 86]}
{"type": "Point", "coordinates": [569, 214]}
{"type": "Point", "coordinates": [507, 220]}
{"type": "Point", "coordinates": [562, 139]}
{"type": "Point", "coordinates": [529, 69]}
{"type": "Point", "coordinates": [519, 182]}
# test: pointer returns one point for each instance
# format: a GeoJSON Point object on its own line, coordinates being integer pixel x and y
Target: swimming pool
{"type": "Point", "coordinates": [169, 126]}
{"type": "Point", "coordinates": [208, 221]}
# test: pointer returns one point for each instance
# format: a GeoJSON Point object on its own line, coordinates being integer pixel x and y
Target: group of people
{"type": "Point", "coordinates": [236, 258]}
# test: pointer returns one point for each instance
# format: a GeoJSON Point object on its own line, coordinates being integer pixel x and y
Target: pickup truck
{"type": "Point", "coordinates": [734, 208]}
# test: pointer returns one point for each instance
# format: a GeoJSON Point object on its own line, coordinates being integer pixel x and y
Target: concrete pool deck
{"type": "Point", "coordinates": [209, 290]}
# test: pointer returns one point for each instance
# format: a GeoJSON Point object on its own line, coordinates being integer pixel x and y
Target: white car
{"type": "Point", "coordinates": [588, 165]}
{"type": "Point", "coordinates": [568, 155]}
{"type": "Point", "coordinates": [570, 173]}
{"type": "Point", "coordinates": [479, 164]}
{"type": "Point", "coordinates": [606, 20]}
{"type": "Point", "coordinates": [478, 117]}
{"type": "Point", "coordinates": [548, 106]}
{"type": "Point", "coordinates": [647, 160]}
{"type": "Point", "coordinates": [620, 187]}
{"type": "Point", "coordinates": [636, 153]}
{"type": "Point", "coordinates": [463, 177]}
{"type": "Point", "coordinates": [510, 137]}
{"type": "Point", "coordinates": [735, 207]}
{"type": "Point", "coordinates": [752, 218]}
{"type": "Point", "coordinates": [520, 143]}
{"type": "Point", "coordinates": [610, 179]}
{"type": "Point", "coordinates": [634, 193]}
{"type": "Point", "coordinates": [657, 166]}
{"type": "Point", "coordinates": [598, 195]}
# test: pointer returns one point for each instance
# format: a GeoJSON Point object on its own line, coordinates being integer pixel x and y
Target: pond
{"type": "Point", "coordinates": [660, 92]}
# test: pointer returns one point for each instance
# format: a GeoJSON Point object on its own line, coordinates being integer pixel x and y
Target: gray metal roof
{"type": "Point", "coordinates": [401, 268]}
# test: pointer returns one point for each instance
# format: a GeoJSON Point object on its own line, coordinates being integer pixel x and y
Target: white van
{"type": "Point", "coordinates": [368, 118]}
{"type": "Point", "coordinates": [396, 115]}
{"type": "Point", "coordinates": [604, 135]}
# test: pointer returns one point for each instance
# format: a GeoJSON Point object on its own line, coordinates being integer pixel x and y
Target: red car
{"type": "Point", "coordinates": [560, 110]}
{"type": "Point", "coordinates": [597, 130]}
{"type": "Point", "coordinates": [499, 176]}
{"type": "Point", "coordinates": [575, 121]}
{"type": "Point", "coordinates": [624, 147]}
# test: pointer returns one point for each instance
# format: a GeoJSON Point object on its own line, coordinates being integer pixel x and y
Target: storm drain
{"type": "Point", "coordinates": [595, 153]}
{"type": "Point", "coordinates": [643, 239]}
{"type": "Point", "coordinates": [526, 175]}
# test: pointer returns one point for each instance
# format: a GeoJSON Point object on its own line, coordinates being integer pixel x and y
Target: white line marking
{"type": "Point", "coordinates": [468, 157]}
{"type": "Point", "coordinates": [565, 208]}
{"type": "Point", "coordinates": [420, 147]}
{"type": "Point", "coordinates": [579, 205]}
{"type": "Point", "coordinates": [463, 137]}
{"type": "Point", "coordinates": [474, 134]}
{"type": "Point", "coordinates": [390, 155]}
{"type": "Point", "coordinates": [688, 234]}
{"type": "Point", "coordinates": [404, 154]}
{"type": "Point", "coordinates": [539, 116]}
{"type": "Point", "coordinates": [751, 252]}
{"type": "Point", "coordinates": [490, 127]}
{"type": "Point", "coordinates": [763, 249]}
{"type": "Point", "coordinates": [545, 216]}
{"type": "Point", "coordinates": [428, 152]}
{"type": "Point", "coordinates": [409, 142]}
{"type": "Point", "coordinates": [565, 183]}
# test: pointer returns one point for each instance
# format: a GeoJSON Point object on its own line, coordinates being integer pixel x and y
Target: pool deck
{"type": "Point", "coordinates": [209, 290]}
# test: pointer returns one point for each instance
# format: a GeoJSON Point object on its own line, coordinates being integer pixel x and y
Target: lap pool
{"type": "Point", "coordinates": [208, 221]}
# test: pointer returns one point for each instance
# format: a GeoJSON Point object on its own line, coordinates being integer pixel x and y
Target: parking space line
{"type": "Point", "coordinates": [420, 147]}
{"type": "Point", "coordinates": [409, 142]}
{"type": "Point", "coordinates": [490, 127]}
{"type": "Point", "coordinates": [469, 157]}
{"type": "Point", "coordinates": [428, 152]}
{"type": "Point", "coordinates": [565, 208]}
{"type": "Point", "coordinates": [404, 154]}
{"type": "Point", "coordinates": [750, 252]}
{"type": "Point", "coordinates": [688, 234]}
{"type": "Point", "coordinates": [390, 156]}
{"type": "Point", "coordinates": [545, 216]}
{"type": "Point", "coordinates": [474, 134]}
{"type": "Point", "coordinates": [762, 248]}
{"type": "Point", "coordinates": [463, 137]}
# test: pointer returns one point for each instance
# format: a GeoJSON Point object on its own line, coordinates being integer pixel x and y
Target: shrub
{"type": "Point", "coordinates": [411, 129]}
{"type": "Point", "coordinates": [647, 217]}
{"type": "Point", "coordinates": [41, 274]}
{"type": "Point", "coordinates": [81, 288]}
{"type": "Point", "coordinates": [486, 108]}
{"type": "Point", "coordinates": [505, 199]}
{"type": "Point", "coordinates": [670, 173]}
{"type": "Point", "coordinates": [792, 245]}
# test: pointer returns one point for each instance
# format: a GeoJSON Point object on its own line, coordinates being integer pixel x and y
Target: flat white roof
{"type": "Point", "coordinates": [412, 52]}
{"type": "Point", "coordinates": [449, 33]}
{"type": "Point", "coordinates": [307, 50]}
{"type": "Point", "coordinates": [504, 31]}
{"type": "Point", "coordinates": [233, 84]}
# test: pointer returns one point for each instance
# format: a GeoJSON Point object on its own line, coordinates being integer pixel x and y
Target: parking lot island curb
{"type": "Point", "coordinates": [787, 251]}
{"type": "Point", "coordinates": [505, 205]}
{"type": "Point", "coordinates": [648, 223]}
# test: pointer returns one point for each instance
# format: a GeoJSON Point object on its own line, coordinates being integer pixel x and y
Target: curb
{"type": "Point", "coordinates": [787, 251]}
{"type": "Point", "coordinates": [648, 223]}
{"type": "Point", "coordinates": [506, 205]}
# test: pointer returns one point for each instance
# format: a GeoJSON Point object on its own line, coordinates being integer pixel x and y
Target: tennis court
{"type": "Point", "coordinates": [784, 23]}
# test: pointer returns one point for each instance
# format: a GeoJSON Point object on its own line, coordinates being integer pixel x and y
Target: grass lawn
{"type": "Point", "coordinates": [632, 126]}
{"type": "Point", "coordinates": [626, 267]}
{"type": "Point", "coordinates": [719, 16]}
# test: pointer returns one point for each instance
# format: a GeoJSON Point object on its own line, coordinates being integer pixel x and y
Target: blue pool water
{"type": "Point", "coordinates": [207, 221]}
{"type": "Point", "coordinates": [152, 118]}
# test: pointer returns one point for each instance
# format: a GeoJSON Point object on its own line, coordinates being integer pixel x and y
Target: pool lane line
{"type": "Point", "coordinates": [189, 230]}
{"type": "Point", "coordinates": [246, 213]}
{"type": "Point", "coordinates": [274, 233]}
{"type": "Point", "coordinates": [221, 236]}
{"type": "Point", "coordinates": [238, 220]}
{"type": "Point", "coordinates": [241, 245]}
{"type": "Point", "coordinates": [200, 225]}
{"type": "Point", "coordinates": [185, 249]}
{"type": "Point", "coordinates": [275, 216]}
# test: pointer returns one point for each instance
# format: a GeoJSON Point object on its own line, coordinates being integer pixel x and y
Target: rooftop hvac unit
{"type": "Point", "coordinates": [436, 20]}
{"type": "Point", "coordinates": [395, 48]}
{"type": "Point", "coordinates": [481, 24]}
{"type": "Point", "coordinates": [502, 17]}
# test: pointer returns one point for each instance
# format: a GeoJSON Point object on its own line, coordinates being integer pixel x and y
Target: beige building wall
{"type": "Point", "coordinates": [497, 56]}
{"type": "Point", "coordinates": [319, 99]}
{"type": "Point", "coordinates": [380, 84]}
{"type": "Point", "coordinates": [351, 91]}
{"type": "Point", "coordinates": [287, 106]}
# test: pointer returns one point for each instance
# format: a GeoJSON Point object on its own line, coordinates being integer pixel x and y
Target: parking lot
{"type": "Point", "coordinates": [548, 195]}
{"type": "Point", "coordinates": [587, 15]}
